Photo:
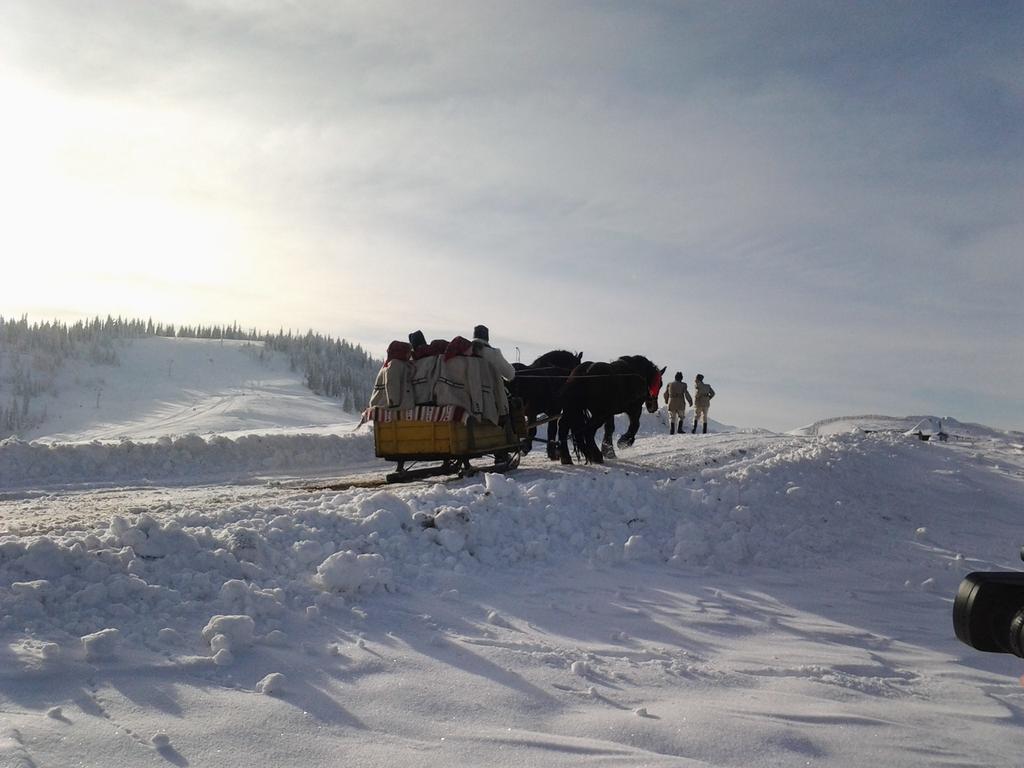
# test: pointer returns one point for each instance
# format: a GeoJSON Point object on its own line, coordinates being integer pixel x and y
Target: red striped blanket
{"type": "Point", "coordinates": [417, 413]}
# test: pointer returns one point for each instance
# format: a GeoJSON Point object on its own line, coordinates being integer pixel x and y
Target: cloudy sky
{"type": "Point", "coordinates": [820, 206]}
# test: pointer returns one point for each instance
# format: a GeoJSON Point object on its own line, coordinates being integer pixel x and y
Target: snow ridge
{"type": "Point", "coordinates": [189, 457]}
{"type": "Point", "coordinates": [728, 599]}
{"type": "Point", "coordinates": [143, 573]}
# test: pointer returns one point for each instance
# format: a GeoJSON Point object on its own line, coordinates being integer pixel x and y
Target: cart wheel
{"type": "Point", "coordinates": [505, 460]}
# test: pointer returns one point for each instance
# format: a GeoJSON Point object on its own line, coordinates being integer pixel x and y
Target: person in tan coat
{"type": "Point", "coordinates": [500, 368]}
{"type": "Point", "coordinates": [702, 401]}
{"type": "Point", "coordinates": [677, 396]}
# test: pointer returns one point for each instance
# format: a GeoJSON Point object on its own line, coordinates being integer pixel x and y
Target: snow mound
{"type": "Point", "coordinates": [348, 572]}
{"type": "Point", "coordinates": [271, 685]}
{"type": "Point", "coordinates": [237, 574]}
{"type": "Point", "coordinates": [101, 645]}
{"type": "Point", "coordinates": [24, 464]}
{"type": "Point", "coordinates": [839, 425]}
{"type": "Point", "coordinates": [684, 582]}
{"type": "Point", "coordinates": [228, 632]}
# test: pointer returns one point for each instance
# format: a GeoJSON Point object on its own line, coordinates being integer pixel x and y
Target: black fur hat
{"type": "Point", "coordinates": [679, 376]}
{"type": "Point", "coordinates": [481, 332]}
{"type": "Point", "coordinates": [417, 339]}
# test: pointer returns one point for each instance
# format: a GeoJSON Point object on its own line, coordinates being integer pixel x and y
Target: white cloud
{"type": "Point", "coordinates": [784, 189]}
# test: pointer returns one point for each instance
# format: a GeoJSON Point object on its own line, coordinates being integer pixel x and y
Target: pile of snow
{"type": "Point", "coordinates": [167, 459]}
{"type": "Point", "coordinates": [797, 506]}
{"type": "Point", "coordinates": [101, 645]}
{"type": "Point", "coordinates": [349, 572]}
{"type": "Point", "coordinates": [196, 458]}
{"type": "Point", "coordinates": [737, 598]}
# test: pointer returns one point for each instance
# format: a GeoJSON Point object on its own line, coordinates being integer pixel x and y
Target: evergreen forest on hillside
{"type": "Point", "coordinates": [32, 354]}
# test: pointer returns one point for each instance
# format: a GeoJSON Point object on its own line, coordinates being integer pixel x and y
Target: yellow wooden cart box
{"type": "Point", "coordinates": [440, 439]}
{"type": "Point", "coordinates": [413, 440]}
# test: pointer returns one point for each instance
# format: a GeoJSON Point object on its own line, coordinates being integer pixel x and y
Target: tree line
{"type": "Point", "coordinates": [31, 355]}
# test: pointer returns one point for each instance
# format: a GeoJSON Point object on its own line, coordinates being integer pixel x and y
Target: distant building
{"type": "Point", "coordinates": [928, 428]}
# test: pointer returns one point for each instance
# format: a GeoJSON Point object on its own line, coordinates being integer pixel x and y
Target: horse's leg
{"type": "Point", "coordinates": [563, 438]}
{"type": "Point", "coordinates": [607, 448]}
{"type": "Point", "coordinates": [593, 452]}
{"type": "Point", "coordinates": [634, 426]}
{"type": "Point", "coordinates": [553, 446]}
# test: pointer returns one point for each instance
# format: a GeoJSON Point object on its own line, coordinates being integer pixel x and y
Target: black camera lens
{"type": "Point", "coordinates": [988, 613]}
{"type": "Point", "coordinates": [1017, 634]}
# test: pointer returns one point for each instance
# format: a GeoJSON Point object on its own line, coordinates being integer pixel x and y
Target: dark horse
{"type": "Point", "coordinates": [595, 392]}
{"type": "Point", "coordinates": [540, 385]}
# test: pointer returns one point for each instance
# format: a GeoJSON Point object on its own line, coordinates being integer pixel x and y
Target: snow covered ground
{"type": "Point", "coordinates": [734, 599]}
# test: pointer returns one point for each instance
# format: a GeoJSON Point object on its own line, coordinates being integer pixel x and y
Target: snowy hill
{"type": "Point", "coordinates": [182, 410]}
{"type": "Point", "coordinates": [874, 423]}
{"type": "Point", "coordinates": [177, 386]}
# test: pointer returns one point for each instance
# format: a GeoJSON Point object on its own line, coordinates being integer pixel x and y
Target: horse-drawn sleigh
{"type": "Point", "coordinates": [452, 424]}
{"type": "Point", "coordinates": [442, 434]}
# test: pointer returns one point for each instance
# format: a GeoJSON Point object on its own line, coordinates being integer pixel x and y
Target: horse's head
{"type": "Point", "coordinates": [653, 390]}
{"type": "Point", "coordinates": [558, 358]}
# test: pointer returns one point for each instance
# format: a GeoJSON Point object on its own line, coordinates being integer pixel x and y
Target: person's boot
{"type": "Point", "coordinates": [705, 427]}
{"type": "Point", "coordinates": [694, 430]}
{"type": "Point", "coordinates": [672, 429]}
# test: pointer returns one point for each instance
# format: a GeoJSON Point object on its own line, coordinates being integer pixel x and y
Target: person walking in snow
{"type": "Point", "coordinates": [702, 394]}
{"type": "Point", "coordinates": [677, 396]}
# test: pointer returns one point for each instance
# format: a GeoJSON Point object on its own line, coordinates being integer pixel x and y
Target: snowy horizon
{"type": "Point", "coordinates": [152, 387]}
